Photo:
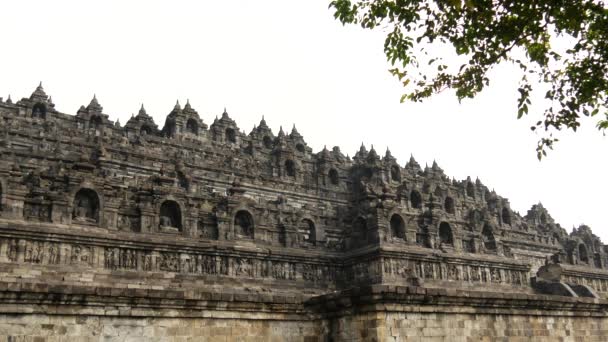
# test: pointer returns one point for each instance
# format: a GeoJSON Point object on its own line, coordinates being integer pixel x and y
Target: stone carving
{"type": "Point", "coordinates": [37, 211]}
{"type": "Point", "coordinates": [81, 255]}
{"type": "Point", "coordinates": [169, 262]}
{"type": "Point", "coordinates": [257, 207]}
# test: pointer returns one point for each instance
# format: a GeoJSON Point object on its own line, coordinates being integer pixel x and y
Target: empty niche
{"type": "Point", "coordinates": [395, 173]}
{"type": "Point", "coordinates": [290, 168]}
{"type": "Point", "coordinates": [487, 237]}
{"type": "Point", "coordinates": [267, 141]}
{"type": "Point", "coordinates": [397, 227]}
{"type": "Point", "coordinates": [582, 253]}
{"type": "Point", "coordinates": [243, 224]}
{"type": "Point", "coordinates": [449, 205]}
{"type": "Point", "coordinates": [445, 234]}
{"type": "Point", "coordinates": [230, 135]}
{"type": "Point", "coordinates": [506, 215]}
{"type": "Point", "coordinates": [334, 178]}
{"type": "Point", "coordinates": [416, 199]}
{"type": "Point", "coordinates": [192, 126]}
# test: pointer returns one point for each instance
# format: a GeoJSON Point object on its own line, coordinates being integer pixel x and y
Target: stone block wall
{"type": "Point", "coordinates": [75, 328]}
{"type": "Point", "coordinates": [394, 313]}
{"type": "Point", "coordinates": [454, 327]}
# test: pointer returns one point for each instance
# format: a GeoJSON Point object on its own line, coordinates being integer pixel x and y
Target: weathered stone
{"type": "Point", "coordinates": [138, 233]}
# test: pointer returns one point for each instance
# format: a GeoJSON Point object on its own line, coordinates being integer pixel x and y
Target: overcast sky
{"type": "Point", "coordinates": [293, 63]}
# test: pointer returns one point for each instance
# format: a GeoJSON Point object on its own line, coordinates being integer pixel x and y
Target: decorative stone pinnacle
{"type": "Point", "coordinates": [142, 110]}
{"type": "Point", "coordinates": [39, 92]}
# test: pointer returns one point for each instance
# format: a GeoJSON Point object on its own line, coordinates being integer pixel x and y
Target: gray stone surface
{"type": "Point", "coordinates": [204, 221]}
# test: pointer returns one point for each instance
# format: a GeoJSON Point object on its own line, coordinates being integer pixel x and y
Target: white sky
{"type": "Point", "coordinates": [292, 62]}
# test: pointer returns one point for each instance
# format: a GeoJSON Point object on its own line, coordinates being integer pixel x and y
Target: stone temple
{"type": "Point", "coordinates": [196, 232]}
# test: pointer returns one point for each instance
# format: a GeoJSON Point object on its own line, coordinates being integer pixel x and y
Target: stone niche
{"type": "Point", "coordinates": [86, 207]}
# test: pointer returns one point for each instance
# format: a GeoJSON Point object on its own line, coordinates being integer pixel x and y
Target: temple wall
{"type": "Point", "coordinates": [397, 313]}
{"type": "Point", "coordinates": [204, 233]}
{"type": "Point", "coordinates": [75, 328]}
{"type": "Point", "coordinates": [379, 325]}
{"type": "Point", "coordinates": [463, 327]}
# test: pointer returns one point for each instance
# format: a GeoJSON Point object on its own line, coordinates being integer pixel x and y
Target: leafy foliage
{"type": "Point", "coordinates": [484, 33]}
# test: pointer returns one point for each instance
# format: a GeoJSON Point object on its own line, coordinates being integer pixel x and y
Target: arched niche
{"type": "Point", "coordinates": [416, 199]}
{"type": "Point", "coordinates": [582, 253]}
{"type": "Point", "coordinates": [243, 224]}
{"type": "Point", "coordinates": [95, 123]}
{"type": "Point", "coordinates": [170, 216]}
{"type": "Point", "coordinates": [39, 111]}
{"type": "Point", "coordinates": [397, 227]}
{"type": "Point", "coordinates": [506, 216]}
{"type": "Point", "coordinates": [300, 148]}
{"type": "Point", "coordinates": [359, 233]}
{"type": "Point", "coordinates": [334, 178]}
{"type": "Point", "coordinates": [192, 126]}
{"type": "Point", "coordinates": [86, 206]}
{"type": "Point", "coordinates": [487, 238]}
{"type": "Point", "coordinates": [230, 135]}
{"type": "Point", "coordinates": [570, 256]}
{"type": "Point", "coordinates": [449, 205]}
{"type": "Point", "coordinates": [169, 129]}
{"type": "Point", "coordinates": [290, 168]}
{"type": "Point", "coordinates": [445, 234]}
{"type": "Point", "coordinates": [145, 130]}
{"type": "Point", "coordinates": [267, 141]}
{"type": "Point", "coordinates": [543, 218]}
{"type": "Point", "coordinates": [395, 173]}
{"type": "Point", "coordinates": [306, 228]}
